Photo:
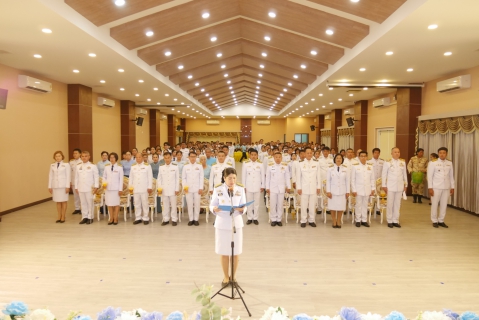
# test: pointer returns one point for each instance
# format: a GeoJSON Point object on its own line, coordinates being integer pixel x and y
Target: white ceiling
{"type": "Point", "coordinates": [405, 33]}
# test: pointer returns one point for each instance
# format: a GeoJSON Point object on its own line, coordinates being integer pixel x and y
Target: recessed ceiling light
{"type": "Point", "coordinates": [303, 66]}
{"type": "Point", "coordinates": [122, 89]}
{"type": "Point", "coordinates": [285, 90]}
{"type": "Point", "coordinates": [290, 84]}
{"type": "Point", "coordinates": [351, 94]}
{"type": "Point", "coordinates": [190, 76]}
{"type": "Point", "coordinates": [312, 99]}
{"type": "Point", "coordinates": [340, 99]}
{"type": "Point", "coordinates": [168, 53]}
{"type": "Point", "coordinates": [45, 30]}
{"type": "Point", "coordinates": [141, 81]}
{"type": "Point", "coordinates": [219, 55]}
{"type": "Point", "coordinates": [317, 108]}
{"type": "Point", "coordinates": [156, 89]}
{"type": "Point", "coordinates": [272, 14]}
{"type": "Point", "coordinates": [225, 75]}
{"type": "Point", "coordinates": [432, 26]}
{"type": "Point", "coordinates": [149, 33]}
{"type": "Point", "coordinates": [306, 103]}
{"type": "Point", "coordinates": [260, 75]}
{"type": "Point", "coordinates": [158, 103]}
{"type": "Point", "coordinates": [329, 31]}
{"type": "Point", "coordinates": [180, 67]}
{"type": "Point", "coordinates": [314, 52]}
{"type": "Point", "coordinates": [354, 0]}
{"type": "Point", "coordinates": [205, 15]}
{"type": "Point", "coordinates": [102, 81]}
{"type": "Point", "coordinates": [258, 81]}
{"type": "Point", "coordinates": [365, 88]}
{"type": "Point", "coordinates": [137, 95]}
{"type": "Point", "coordinates": [295, 76]}
{"type": "Point", "coordinates": [389, 53]}
{"type": "Point", "coordinates": [362, 69]}
{"type": "Point", "coordinates": [148, 99]}
{"type": "Point", "coordinates": [324, 106]}
{"type": "Point", "coordinates": [167, 95]}
{"type": "Point", "coordinates": [76, 71]}
{"type": "Point", "coordinates": [121, 70]}
{"type": "Point", "coordinates": [213, 39]}
{"type": "Point", "coordinates": [197, 84]}
{"type": "Point", "coordinates": [223, 66]}
{"type": "Point", "coordinates": [267, 38]}
{"type": "Point", "coordinates": [320, 94]}
{"type": "Point", "coordinates": [92, 55]}
{"type": "Point", "coordinates": [37, 56]}
{"type": "Point", "coordinates": [232, 92]}
{"type": "Point", "coordinates": [331, 88]}
{"type": "Point", "coordinates": [264, 54]}
{"type": "Point", "coordinates": [330, 103]}
{"type": "Point", "coordinates": [175, 99]}
{"type": "Point", "coordinates": [207, 94]}
{"type": "Point", "coordinates": [228, 82]}
{"type": "Point", "coordinates": [119, 3]}
{"type": "Point", "coordinates": [211, 98]}
{"type": "Point", "coordinates": [410, 70]}
{"type": "Point", "coordinates": [447, 53]}
{"type": "Point", "coordinates": [261, 66]}
{"type": "Point", "coordinates": [202, 90]}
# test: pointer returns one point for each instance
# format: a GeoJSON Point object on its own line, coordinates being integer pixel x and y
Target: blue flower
{"type": "Point", "coordinates": [15, 308]}
{"type": "Point", "coordinates": [302, 316]}
{"type": "Point", "coordinates": [349, 314]}
{"type": "Point", "coordinates": [451, 314]}
{"type": "Point", "coordinates": [176, 315]}
{"type": "Point", "coordinates": [109, 313]}
{"type": "Point", "coordinates": [395, 315]}
{"type": "Point", "coordinates": [468, 315]}
{"type": "Point", "coordinates": [198, 316]}
{"type": "Point", "coordinates": [82, 317]}
{"type": "Point", "coordinates": [152, 316]}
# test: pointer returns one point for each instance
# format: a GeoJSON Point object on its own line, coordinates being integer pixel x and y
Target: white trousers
{"type": "Point", "coordinates": [440, 198]}
{"type": "Point", "coordinates": [320, 200]}
{"type": "Point", "coordinates": [76, 198]}
{"type": "Point", "coordinates": [308, 201]}
{"type": "Point", "coordinates": [86, 200]}
{"type": "Point", "coordinates": [169, 208]}
{"type": "Point", "coordinates": [141, 206]}
{"type": "Point", "coordinates": [253, 209]}
{"type": "Point", "coordinates": [193, 204]}
{"type": "Point", "coordinates": [361, 208]}
{"type": "Point", "coordinates": [394, 203]}
{"type": "Point", "coordinates": [276, 206]}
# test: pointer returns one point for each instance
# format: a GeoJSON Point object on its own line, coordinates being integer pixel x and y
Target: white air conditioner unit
{"type": "Point", "coordinates": [327, 117]}
{"type": "Point", "coordinates": [384, 102]}
{"type": "Point", "coordinates": [141, 112]}
{"type": "Point", "coordinates": [212, 122]}
{"type": "Point", "coordinates": [264, 122]}
{"type": "Point", "coordinates": [349, 111]}
{"type": "Point", "coordinates": [456, 83]}
{"type": "Point", "coordinates": [30, 83]}
{"type": "Point", "coordinates": [105, 102]}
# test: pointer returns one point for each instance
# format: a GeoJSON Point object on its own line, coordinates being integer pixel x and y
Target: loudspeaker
{"type": "Point", "coordinates": [3, 98]}
{"type": "Point", "coordinates": [139, 121]}
{"type": "Point", "coordinates": [313, 128]}
{"type": "Point", "coordinates": [178, 128]}
{"type": "Point", "coordinates": [350, 121]}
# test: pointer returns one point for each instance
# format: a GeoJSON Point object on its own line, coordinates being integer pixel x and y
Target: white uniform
{"type": "Point", "coordinates": [223, 222]}
{"type": "Point", "coordinates": [216, 173]}
{"type": "Point", "coordinates": [324, 165]}
{"type": "Point", "coordinates": [58, 180]}
{"type": "Point", "coordinates": [231, 161]}
{"type": "Point", "coordinates": [394, 177]}
{"type": "Point", "coordinates": [193, 177]}
{"type": "Point", "coordinates": [267, 161]}
{"type": "Point", "coordinates": [277, 180]}
{"type": "Point", "coordinates": [286, 157]}
{"type": "Point", "coordinates": [169, 181]}
{"type": "Point", "coordinates": [338, 183]}
{"type": "Point", "coordinates": [113, 175]}
{"type": "Point", "coordinates": [141, 178]}
{"type": "Point", "coordinates": [76, 197]}
{"type": "Point", "coordinates": [363, 181]}
{"type": "Point", "coordinates": [253, 181]}
{"type": "Point", "coordinates": [440, 177]}
{"type": "Point", "coordinates": [308, 180]}
{"type": "Point", "coordinates": [86, 177]}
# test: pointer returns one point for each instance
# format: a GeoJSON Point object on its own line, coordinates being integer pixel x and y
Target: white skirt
{"type": "Point", "coordinates": [223, 241]}
{"type": "Point", "coordinates": [59, 195]}
{"type": "Point", "coordinates": [337, 203]}
{"type": "Point", "coordinates": [112, 199]}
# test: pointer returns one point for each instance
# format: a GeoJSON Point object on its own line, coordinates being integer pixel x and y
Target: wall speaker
{"type": "Point", "coordinates": [139, 121]}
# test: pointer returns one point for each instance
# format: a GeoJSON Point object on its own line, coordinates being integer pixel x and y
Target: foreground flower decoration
{"type": "Point", "coordinates": [40, 314]}
{"type": "Point", "coordinates": [15, 309]}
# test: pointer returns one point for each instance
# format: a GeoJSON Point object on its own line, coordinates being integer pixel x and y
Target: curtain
{"type": "Point", "coordinates": [345, 138]}
{"type": "Point", "coordinates": [213, 136]}
{"type": "Point", "coordinates": [326, 137]}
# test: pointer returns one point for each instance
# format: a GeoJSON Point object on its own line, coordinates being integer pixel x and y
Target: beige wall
{"type": "Point", "coordinates": [380, 118]}
{"type": "Point", "coordinates": [300, 125]}
{"type": "Point", "coordinates": [274, 131]}
{"type": "Point", "coordinates": [33, 121]}
{"type": "Point", "coordinates": [163, 131]}
{"type": "Point", "coordinates": [106, 128]}
{"type": "Point", "coordinates": [226, 125]}
{"type": "Point", "coordinates": [143, 133]}
{"type": "Point", "coordinates": [327, 124]}
{"type": "Point", "coordinates": [434, 102]}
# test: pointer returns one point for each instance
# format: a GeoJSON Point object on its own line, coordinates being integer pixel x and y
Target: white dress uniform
{"type": "Point", "coordinates": [113, 175]}
{"type": "Point", "coordinates": [324, 165]}
{"type": "Point", "coordinates": [141, 178]}
{"type": "Point", "coordinates": [440, 177]}
{"type": "Point", "coordinates": [394, 177]}
{"type": "Point", "coordinates": [267, 161]}
{"type": "Point", "coordinates": [216, 172]}
{"type": "Point", "coordinates": [277, 181]}
{"type": "Point", "coordinates": [338, 183]}
{"type": "Point", "coordinates": [76, 197]}
{"type": "Point", "coordinates": [193, 177]}
{"type": "Point", "coordinates": [308, 180]}
{"type": "Point", "coordinates": [230, 161]}
{"type": "Point", "coordinates": [223, 222]}
{"type": "Point", "coordinates": [363, 181]}
{"type": "Point", "coordinates": [169, 181]}
{"type": "Point", "coordinates": [86, 177]}
{"type": "Point", "coordinates": [286, 157]}
{"type": "Point", "coordinates": [185, 152]}
{"type": "Point", "coordinates": [253, 180]}
{"type": "Point", "coordinates": [58, 180]}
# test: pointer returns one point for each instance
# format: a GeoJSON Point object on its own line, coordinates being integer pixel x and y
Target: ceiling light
{"type": "Point", "coordinates": [261, 66]}
{"type": "Point", "coordinates": [314, 52]}
{"type": "Point", "coordinates": [121, 70]}
{"type": "Point", "coordinates": [232, 92]}
{"type": "Point", "coordinates": [219, 55]}
{"type": "Point", "coordinates": [156, 89]}
{"type": "Point", "coordinates": [102, 81]}
{"type": "Point", "coordinates": [306, 103]}
{"type": "Point", "coordinates": [202, 90]}
{"type": "Point", "coordinates": [447, 53]}
{"type": "Point", "coordinates": [297, 108]}
{"type": "Point", "coordinates": [37, 56]}
{"type": "Point", "coordinates": [207, 94]}
{"type": "Point", "coordinates": [303, 66]}
{"type": "Point", "coordinates": [175, 99]}
{"type": "Point", "coordinates": [331, 88]}
{"type": "Point", "coordinates": [317, 108]}
{"type": "Point", "coordinates": [281, 94]}
{"type": "Point", "coordinates": [76, 71]}
{"type": "Point", "coordinates": [92, 55]}
{"type": "Point", "coordinates": [137, 95]}
{"type": "Point", "coordinates": [213, 39]}
{"type": "Point", "coordinates": [330, 103]}
{"type": "Point", "coordinates": [168, 53]}
{"type": "Point", "coordinates": [389, 53]}
{"type": "Point", "coordinates": [351, 94]}
{"type": "Point", "coordinates": [295, 76]}
{"type": "Point", "coordinates": [148, 99]}
{"type": "Point", "coordinates": [340, 99]}
{"type": "Point", "coordinates": [365, 88]}
{"type": "Point", "coordinates": [197, 84]}
{"type": "Point", "coordinates": [230, 88]}
{"type": "Point", "coordinates": [264, 54]}
{"type": "Point", "coordinates": [141, 81]}
{"type": "Point", "coordinates": [190, 76]}
{"type": "Point", "coordinates": [223, 66]}
{"type": "Point", "coordinates": [45, 30]}
{"type": "Point", "coordinates": [362, 69]}
{"type": "Point", "coordinates": [285, 90]}
{"type": "Point", "coordinates": [329, 31]}
{"type": "Point", "coordinates": [354, 0]}
{"type": "Point", "coordinates": [205, 15]}
{"type": "Point", "coordinates": [119, 3]}
{"type": "Point", "coordinates": [225, 75]}
{"type": "Point", "coordinates": [260, 75]}
{"type": "Point", "coordinates": [122, 89]}
{"type": "Point", "coordinates": [149, 33]}
{"type": "Point", "coordinates": [278, 98]}
{"type": "Point", "coordinates": [257, 87]}
{"type": "Point", "coordinates": [258, 81]}
{"type": "Point", "coordinates": [290, 84]}
{"type": "Point", "coordinates": [228, 82]}
{"type": "Point", "coordinates": [267, 38]}
{"type": "Point", "coordinates": [272, 14]}
{"type": "Point", "coordinates": [211, 98]}
{"type": "Point", "coordinates": [432, 26]}
{"type": "Point", "coordinates": [167, 95]}
{"type": "Point", "coordinates": [312, 99]}
{"type": "Point", "coordinates": [180, 67]}
{"type": "Point", "coordinates": [158, 103]}
{"type": "Point", "coordinates": [324, 106]}
{"type": "Point", "coordinates": [320, 94]}
{"type": "Point", "coordinates": [410, 70]}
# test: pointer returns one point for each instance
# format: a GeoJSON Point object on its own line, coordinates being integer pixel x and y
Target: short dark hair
{"type": "Point", "coordinates": [77, 149]}
{"type": "Point", "coordinates": [308, 148]}
{"type": "Point", "coordinates": [179, 152]}
{"type": "Point", "coordinates": [227, 172]}
{"type": "Point", "coordinates": [166, 153]}
{"type": "Point", "coordinates": [349, 149]}
{"type": "Point", "coordinates": [277, 152]}
{"type": "Point", "coordinates": [363, 151]}
{"type": "Point", "coordinates": [434, 155]}
{"type": "Point", "coordinates": [342, 150]}
{"type": "Point", "coordinates": [419, 150]}
{"type": "Point", "coordinates": [103, 152]}
{"type": "Point", "coordinates": [326, 148]}
{"type": "Point", "coordinates": [192, 152]}
{"type": "Point", "coordinates": [253, 150]}
{"type": "Point", "coordinates": [112, 154]}
{"type": "Point", "coordinates": [443, 149]}
{"type": "Point", "coordinates": [221, 151]}
{"type": "Point", "coordinates": [338, 155]}
{"type": "Point", "coordinates": [377, 149]}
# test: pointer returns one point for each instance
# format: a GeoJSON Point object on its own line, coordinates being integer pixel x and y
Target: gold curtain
{"type": "Point", "coordinates": [466, 124]}
{"type": "Point", "coordinates": [346, 132]}
{"type": "Point", "coordinates": [213, 135]}
{"type": "Point", "coordinates": [326, 133]}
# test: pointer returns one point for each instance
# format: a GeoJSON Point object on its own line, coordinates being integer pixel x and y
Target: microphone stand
{"type": "Point", "coordinates": [235, 288]}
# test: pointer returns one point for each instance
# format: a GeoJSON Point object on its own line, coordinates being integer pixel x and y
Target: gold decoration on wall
{"type": "Point", "coordinates": [346, 132]}
{"type": "Point", "coordinates": [234, 135]}
{"type": "Point", "coordinates": [326, 133]}
{"type": "Point", "coordinates": [454, 125]}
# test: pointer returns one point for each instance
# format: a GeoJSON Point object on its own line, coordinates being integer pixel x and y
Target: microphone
{"type": "Point", "coordinates": [230, 193]}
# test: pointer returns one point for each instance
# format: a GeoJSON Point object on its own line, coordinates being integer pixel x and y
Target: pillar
{"type": "Point", "coordinates": [246, 130]}
{"type": "Point", "coordinates": [128, 129]}
{"type": "Point", "coordinates": [361, 125]}
{"type": "Point", "coordinates": [319, 127]}
{"type": "Point", "coordinates": [336, 121]}
{"type": "Point", "coordinates": [171, 130]}
{"type": "Point", "coordinates": [80, 128]}
{"type": "Point", "coordinates": [183, 127]}
{"type": "Point", "coordinates": [155, 122]}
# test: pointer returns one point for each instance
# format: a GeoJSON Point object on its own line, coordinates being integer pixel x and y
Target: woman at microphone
{"type": "Point", "coordinates": [228, 193]}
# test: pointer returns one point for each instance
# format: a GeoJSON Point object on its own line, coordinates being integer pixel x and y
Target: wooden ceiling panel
{"type": "Point", "coordinates": [265, 89]}
{"type": "Point", "coordinates": [226, 74]}
{"type": "Point", "coordinates": [243, 85]}
{"type": "Point", "coordinates": [221, 97]}
{"type": "Point", "coordinates": [264, 83]}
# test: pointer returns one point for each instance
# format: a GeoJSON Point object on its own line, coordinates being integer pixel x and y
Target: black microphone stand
{"type": "Point", "coordinates": [235, 288]}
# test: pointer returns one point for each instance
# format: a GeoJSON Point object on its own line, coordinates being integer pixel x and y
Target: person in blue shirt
{"type": "Point", "coordinates": [243, 150]}
{"type": "Point", "coordinates": [206, 167]}
{"type": "Point", "coordinates": [101, 164]}
{"type": "Point", "coordinates": [127, 163]}
{"type": "Point", "coordinates": [210, 159]}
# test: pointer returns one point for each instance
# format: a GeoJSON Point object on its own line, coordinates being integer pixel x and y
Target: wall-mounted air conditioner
{"type": "Point", "coordinates": [453, 84]}
{"type": "Point", "coordinates": [327, 117]}
{"type": "Point", "coordinates": [141, 112]}
{"type": "Point", "coordinates": [26, 82]}
{"type": "Point", "coordinates": [384, 102]}
{"type": "Point", "coordinates": [105, 102]}
{"type": "Point", "coordinates": [263, 122]}
{"type": "Point", "coordinates": [212, 122]}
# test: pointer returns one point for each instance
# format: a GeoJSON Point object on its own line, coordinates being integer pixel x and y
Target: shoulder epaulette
{"type": "Point", "coordinates": [401, 159]}
{"type": "Point", "coordinates": [301, 160]}
{"type": "Point", "coordinates": [119, 164]}
{"type": "Point", "coordinates": [162, 164]}
{"type": "Point", "coordinates": [284, 163]}
{"type": "Point", "coordinates": [146, 163]}
{"type": "Point", "coordinates": [270, 164]}
{"type": "Point", "coordinates": [448, 159]}
{"type": "Point", "coordinates": [175, 164]}
{"type": "Point", "coordinates": [434, 160]}
{"type": "Point", "coordinates": [259, 161]}
{"type": "Point", "coordinates": [343, 165]}
{"type": "Point", "coordinates": [218, 185]}
{"type": "Point", "coordinates": [246, 161]}
{"type": "Point", "coordinates": [108, 164]}
{"type": "Point", "coordinates": [331, 165]}
{"type": "Point", "coordinates": [381, 159]}
{"type": "Point", "coordinates": [315, 160]}
{"type": "Point", "coordinates": [369, 163]}
{"type": "Point", "coordinates": [354, 164]}
{"type": "Point", "coordinates": [369, 159]}
{"type": "Point", "coordinates": [269, 157]}
{"type": "Point", "coordinates": [239, 184]}
{"type": "Point", "coordinates": [134, 164]}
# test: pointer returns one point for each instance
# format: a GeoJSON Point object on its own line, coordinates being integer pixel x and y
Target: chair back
{"type": "Point", "coordinates": [378, 186]}
{"type": "Point", "coordinates": [323, 193]}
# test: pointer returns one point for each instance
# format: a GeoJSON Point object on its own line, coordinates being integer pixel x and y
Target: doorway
{"type": "Point", "coordinates": [385, 140]}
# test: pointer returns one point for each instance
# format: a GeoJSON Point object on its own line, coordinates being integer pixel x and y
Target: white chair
{"type": "Point", "coordinates": [381, 201]}
{"type": "Point", "coordinates": [125, 199]}
{"type": "Point", "coordinates": [205, 198]}
{"type": "Point", "coordinates": [179, 202]}
{"type": "Point", "coordinates": [152, 199]}
{"type": "Point", "coordinates": [351, 206]}
{"type": "Point", "coordinates": [297, 206]}
{"type": "Point", "coordinates": [286, 205]}
{"type": "Point", "coordinates": [371, 202]}
{"type": "Point", "coordinates": [98, 198]}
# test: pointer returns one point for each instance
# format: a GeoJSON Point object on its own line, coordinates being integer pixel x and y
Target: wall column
{"type": "Point", "coordinates": [183, 127]}
{"type": "Point", "coordinates": [155, 122]}
{"type": "Point", "coordinates": [361, 125]}
{"type": "Point", "coordinates": [319, 127]}
{"type": "Point", "coordinates": [128, 129]}
{"type": "Point", "coordinates": [80, 128]}
{"type": "Point", "coordinates": [336, 121]}
{"type": "Point", "coordinates": [246, 133]}
{"type": "Point", "coordinates": [171, 130]}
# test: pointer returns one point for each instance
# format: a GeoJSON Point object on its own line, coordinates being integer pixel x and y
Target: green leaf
{"type": "Point", "coordinates": [205, 301]}
{"type": "Point", "coordinates": [195, 291]}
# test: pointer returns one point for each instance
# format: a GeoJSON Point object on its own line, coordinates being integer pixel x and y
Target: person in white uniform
{"type": "Point", "coordinates": [216, 172]}
{"type": "Point", "coordinates": [73, 164]}
{"type": "Point", "coordinates": [394, 183]}
{"type": "Point", "coordinates": [363, 184]}
{"type": "Point", "coordinates": [193, 182]}
{"type": "Point", "coordinates": [325, 162]}
{"type": "Point", "coordinates": [308, 184]}
{"type": "Point", "coordinates": [59, 181]}
{"type": "Point", "coordinates": [86, 177]}
{"type": "Point", "coordinates": [228, 193]}
{"type": "Point", "coordinates": [277, 182]}
{"type": "Point", "coordinates": [440, 177]}
{"type": "Point", "coordinates": [168, 185]}
{"type": "Point", "coordinates": [141, 179]}
{"type": "Point", "coordinates": [337, 189]}
{"type": "Point", "coordinates": [253, 180]}
{"type": "Point", "coordinates": [113, 177]}
{"type": "Point", "coordinates": [378, 164]}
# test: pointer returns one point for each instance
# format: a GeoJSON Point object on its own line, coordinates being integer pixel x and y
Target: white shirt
{"type": "Point", "coordinates": [377, 166]}
{"type": "Point", "coordinates": [337, 182]}
{"type": "Point", "coordinates": [193, 177]}
{"type": "Point", "coordinates": [253, 175]}
{"type": "Point", "coordinates": [114, 177]}
{"type": "Point", "coordinates": [363, 180]}
{"type": "Point", "coordinates": [60, 175]}
{"type": "Point", "coordinates": [440, 174]}
{"type": "Point", "coordinates": [308, 177]}
{"type": "Point", "coordinates": [277, 178]}
{"type": "Point", "coordinates": [168, 179]}
{"type": "Point", "coordinates": [141, 177]}
{"type": "Point", "coordinates": [86, 177]}
{"type": "Point", "coordinates": [216, 173]}
{"type": "Point", "coordinates": [394, 175]}
{"type": "Point", "coordinates": [221, 197]}
{"type": "Point", "coordinates": [324, 165]}
{"type": "Point", "coordinates": [73, 164]}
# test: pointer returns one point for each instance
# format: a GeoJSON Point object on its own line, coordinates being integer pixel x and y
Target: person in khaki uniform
{"type": "Point", "coordinates": [417, 167]}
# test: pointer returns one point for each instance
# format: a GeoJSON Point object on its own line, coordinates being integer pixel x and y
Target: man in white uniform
{"type": "Point", "coordinates": [295, 167]}
{"type": "Point", "coordinates": [193, 178]}
{"type": "Point", "coordinates": [73, 164]}
{"type": "Point", "coordinates": [277, 182]}
{"type": "Point", "coordinates": [184, 150]}
{"type": "Point", "coordinates": [349, 160]}
{"type": "Point", "coordinates": [86, 177]}
{"type": "Point", "coordinates": [363, 184]}
{"type": "Point", "coordinates": [325, 162]}
{"type": "Point", "coordinates": [217, 170]}
{"type": "Point", "coordinates": [141, 179]}
{"type": "Point", "coordinates": [229, 159]}
{"type": "Point", "coordinates": [440, 177]}
{"type": "Point", "coordinates": [253, 181]}
{"type": "Point", "coordinates": [378, 164]}
{"type": "Point", "coordinates": [169, 181]}
{"type": "Point", "coordinates": [394, 183]}
{"type": "Point", "coordinates": [308, 184]}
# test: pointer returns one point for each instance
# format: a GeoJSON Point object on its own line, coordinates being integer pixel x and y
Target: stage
{"type": "Point", "coordinates": [314, 270]}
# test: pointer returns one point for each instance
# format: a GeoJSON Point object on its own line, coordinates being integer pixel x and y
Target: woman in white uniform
{"type": "Point", "coordinates": [113, 176]}
{"type": "Point", "coordinates": [228, 193]}
{"type": "Point", "coordinates": [337, 188]}
{"type": "Point", "coordinates": [59, 181]}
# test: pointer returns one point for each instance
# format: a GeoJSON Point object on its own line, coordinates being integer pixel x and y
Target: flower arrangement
{"type": "Point", "coordinates": [15, 309]}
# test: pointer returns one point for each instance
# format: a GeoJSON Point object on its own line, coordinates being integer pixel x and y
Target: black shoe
{"type": "Point", "coordinates": [224, 284]}
{"type": "Point", "coordinates": [174, 223]}
{"type": "Point", "coordinates": [279, 224]}
{"type": "Point", "coordinates": [115, 223]}
{"type": "Point", "coordinates": [137, 222]}
{"type": "Point", "coordinates": [397, 225]}
{"type": "Point", "coordinates": [339, 227]}
{"type": "Point", "coordinates": [58, 221]}
{"type": "Point", "coordinates": [110, 223]}
{"type": "Point", "coordinates": [249, 222]}
{"type": "Point", "coordinates": [419, 199]}
{"type": "Point", "coordinates": [442, 224]}
{"type": "Point", "coordinates": [390, 225]}
{"type": "Point", "coordinates": [255, 222]}
{"type": "Point", "coordinates": [430, 203]}
{"type": "Point", "coordinates": [435, 225]}
{"type": "Point", "coordinates": [328, 212]}
{"type": "Point", "coordinates": [312, 224]}
{"type": "Point", "coordinates": [318, 212]}
{"type": "Point", "coordinates": [83, 221]}
{"type": "Point", "coordinates": [76, 212]}
{"type": "Point", "coordinates": [196, 223]}
{"type": "Point", "coordinates": [307, 210]}
{"type": "Point", "coordinates": [273, 223]}
{"type": "Point", "coordinates": [358, 224]}
{"type": "Point", "coordinates": [88, 221]}
{"type": "Point", "coordinates": [334, 226]}
{"type": "Point", "coordinates": [365, 224]}
{"type": "Point", "coordinates": [62, 221]}
{"type": "Point", "coordinates": [190, 223]}
{"type": "Point", "coordinates": [164, 223]}
{"type": "Point", "coordinates": [303, 225]}
{"type": "Point", "coordinates": [414, 197]}
{"type": "Point", "coordinates": [378, 213]}
{"type": "Point", "coordinates": [146, 222]}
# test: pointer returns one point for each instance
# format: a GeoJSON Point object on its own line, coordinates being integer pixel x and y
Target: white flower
{"type": "Point", "coordinates": [371, 316]}
{"type": "Point", "coordinates": [273, 313]}
{"type": "Point", "coordinates": [127, 315]}
{"type": "Point", "coordinates": [433, 315]}
{"type": "Point", "coordinates": [40, 314]}
{"type": "Point", "coordinates": [337, 317]}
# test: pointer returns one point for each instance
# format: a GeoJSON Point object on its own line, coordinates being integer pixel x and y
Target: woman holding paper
{"type": "Point", "coordinates": [227, 194]}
